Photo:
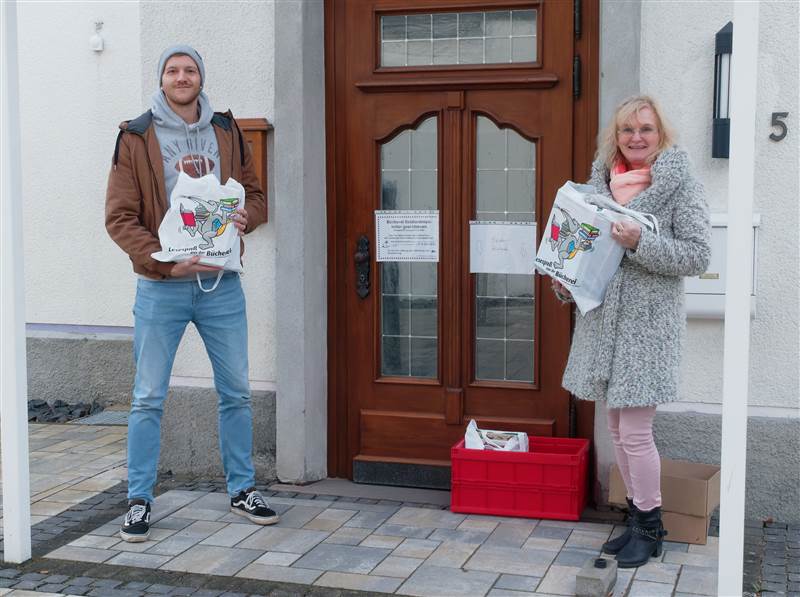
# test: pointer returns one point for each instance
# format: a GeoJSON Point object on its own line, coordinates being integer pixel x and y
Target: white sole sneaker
{"type": "Point", "coordinates": [263, 520]}
{"type": "Point", "coordinates": [134, 538]}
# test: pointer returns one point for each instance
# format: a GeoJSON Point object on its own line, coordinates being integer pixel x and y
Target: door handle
{"type": "Point", "coordinates": [362, 259]}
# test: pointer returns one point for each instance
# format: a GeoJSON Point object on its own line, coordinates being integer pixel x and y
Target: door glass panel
{"type": "Point", "coordinates": [504, 303]}
{"type": "Point", "coordinates": [494, 37]}
{"type": "Point", "coordinates": [409, 291]}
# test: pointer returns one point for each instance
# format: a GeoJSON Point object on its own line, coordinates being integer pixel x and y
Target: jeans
{"type": "Point", "coordinates": [161, 312]}
{"type": "Point", "coordinates": [637, 457]}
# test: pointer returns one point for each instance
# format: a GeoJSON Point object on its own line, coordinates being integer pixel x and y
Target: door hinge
{"type": "Point", "coordinates": [576, 77]}
{"type": "Point", "coordinates": [577, 19]}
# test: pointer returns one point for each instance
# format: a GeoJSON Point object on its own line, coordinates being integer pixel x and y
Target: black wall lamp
{"type": "Point", "coordinates": [721, 132]}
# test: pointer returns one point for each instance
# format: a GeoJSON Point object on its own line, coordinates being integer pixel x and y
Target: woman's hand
{"type": "Point", "coordinates": [626, 233]}
{"type": "Point", "coordinates": [240, 220]}
{"type": "Point", "coordinates": [561, 291]}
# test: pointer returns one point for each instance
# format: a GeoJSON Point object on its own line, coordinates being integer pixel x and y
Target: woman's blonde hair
{"type": "Point", "coordinates": [608, 148]}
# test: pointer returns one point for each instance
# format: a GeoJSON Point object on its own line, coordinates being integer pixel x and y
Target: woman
{"type": "Point", "coordinates": [627, 351]}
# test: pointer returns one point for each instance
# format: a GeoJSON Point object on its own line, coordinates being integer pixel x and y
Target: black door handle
{"type": "Point", "coordinates": [361, 259]}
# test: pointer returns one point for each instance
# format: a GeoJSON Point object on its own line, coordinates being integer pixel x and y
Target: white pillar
{"type": "Point", "coordinates": [736, 363]}
{"type": "Point", "coordinates": [13, 380]}
{"type": "Point", "coordinates": [301, 283]}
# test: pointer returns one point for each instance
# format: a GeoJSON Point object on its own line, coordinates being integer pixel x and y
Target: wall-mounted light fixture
{"type": "Point", "coordinates": [721, 132]}
{"type": "Point", "coordinates": [96, 41]}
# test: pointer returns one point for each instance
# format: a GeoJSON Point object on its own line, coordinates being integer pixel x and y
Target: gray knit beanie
{"type": "Point", "coordinates": [181, 49]}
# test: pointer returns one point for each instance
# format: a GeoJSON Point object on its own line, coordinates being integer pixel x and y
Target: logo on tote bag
{"type": "Point", "coordinates": [208, 219]}
{"type": "Point", "coordinates": [568, 237]}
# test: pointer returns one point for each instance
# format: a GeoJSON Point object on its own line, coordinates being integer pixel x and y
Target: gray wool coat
{"type": "Point", "coordinates": [627, 351]}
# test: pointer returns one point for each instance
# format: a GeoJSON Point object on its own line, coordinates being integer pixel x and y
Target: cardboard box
{"type": "Point", "coordinates": [689, 494]}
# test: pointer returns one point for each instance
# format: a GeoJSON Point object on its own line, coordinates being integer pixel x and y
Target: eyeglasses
{"type": "Point", "coordinates": [645, 131]}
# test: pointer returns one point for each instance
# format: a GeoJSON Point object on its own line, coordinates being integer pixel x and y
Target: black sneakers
{"type": "Point", "coordinates": [251, 504]}
{"type": "Point", "coordinates": [136, 527]}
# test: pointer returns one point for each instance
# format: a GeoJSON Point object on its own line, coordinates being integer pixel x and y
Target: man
{"type": "Point", "coordinates": [182, 133]}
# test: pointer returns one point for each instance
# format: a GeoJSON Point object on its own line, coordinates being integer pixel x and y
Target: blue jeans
{"type": "Point", "coordinates": [161, 312]}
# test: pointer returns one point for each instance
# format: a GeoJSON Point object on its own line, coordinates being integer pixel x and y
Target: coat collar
{"type": "Point", "coordinates": [668, 172]}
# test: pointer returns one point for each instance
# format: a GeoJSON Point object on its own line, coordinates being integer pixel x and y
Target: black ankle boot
{"type": "Point", "coordinates": [616, 544]}
{"type": "Point", "coordinates": [647, 537]}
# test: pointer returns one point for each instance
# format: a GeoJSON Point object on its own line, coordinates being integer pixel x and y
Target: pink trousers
{"type": "Point", "coordinates": [637, 457]}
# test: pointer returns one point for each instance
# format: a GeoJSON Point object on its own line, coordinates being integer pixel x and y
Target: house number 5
{"type": "Point", "coordinates": [780, 125]}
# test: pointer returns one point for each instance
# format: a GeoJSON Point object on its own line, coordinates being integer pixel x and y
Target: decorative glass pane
{"type": "Point", "coordinates": [495, 37]}
{"type": "Point", "coordinates": [409, 291]}
{"type": "Point", "coordinates": [504, 303]}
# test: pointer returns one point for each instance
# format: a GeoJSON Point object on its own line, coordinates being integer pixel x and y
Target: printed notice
{"type": "Point", "coordinates": [407, 235]}
{"type": "Point", "coordinates": [502, 247]}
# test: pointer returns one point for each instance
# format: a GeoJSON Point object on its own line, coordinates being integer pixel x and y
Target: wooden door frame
{"type": "Point", "coordinates": [585, 128]}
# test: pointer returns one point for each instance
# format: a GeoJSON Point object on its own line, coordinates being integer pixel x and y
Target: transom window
{"type": "Point", "coordinates": [495, 37]}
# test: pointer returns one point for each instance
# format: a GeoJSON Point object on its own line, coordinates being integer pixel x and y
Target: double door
{"type": "Point", "coordinates": [465, 109]}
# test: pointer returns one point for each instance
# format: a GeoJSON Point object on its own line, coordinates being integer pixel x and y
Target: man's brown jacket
{"type": "Point", "coordinates": [136, 199]}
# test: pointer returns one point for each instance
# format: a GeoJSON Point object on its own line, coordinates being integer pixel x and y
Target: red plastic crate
{"type": "Point", "coordinates": [549, 481]}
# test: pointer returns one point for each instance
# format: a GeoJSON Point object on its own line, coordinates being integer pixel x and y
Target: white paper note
{"type": "Point", "coordinates": [407, 235]}
{"type": "Point", "coordinates": [502, 247]}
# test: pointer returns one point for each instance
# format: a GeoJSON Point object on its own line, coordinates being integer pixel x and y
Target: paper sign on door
{"type": "Point", "coordinates": [502, 247]}
{"type": "Point", "coordinates": [407, 235]}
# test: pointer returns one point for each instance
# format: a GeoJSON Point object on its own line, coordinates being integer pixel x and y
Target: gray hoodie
{"type": "Point", "coordinates": [190, 147]}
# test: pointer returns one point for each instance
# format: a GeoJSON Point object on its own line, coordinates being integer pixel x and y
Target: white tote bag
{"type": "Point", "coordinates": [577, 248]}
{"type": "Point", "coordinates": [199, 223]}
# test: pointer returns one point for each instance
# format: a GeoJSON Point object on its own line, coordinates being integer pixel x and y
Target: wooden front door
{"type": "Point", "coordinates": [465, 107]}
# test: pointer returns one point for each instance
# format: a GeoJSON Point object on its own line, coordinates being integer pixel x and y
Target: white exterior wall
{"type": "Point", "coordinates": [677, 67]}
{"type": "Point", "coordinates": [72, 101]}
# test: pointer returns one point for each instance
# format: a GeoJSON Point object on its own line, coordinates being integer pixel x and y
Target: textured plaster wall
{"type": "Point", "coordinates": [236, 41]}
{"type": "Point", "coordinates": [677, 66]}
{"type": "Point", "coordinates": [71, 101]}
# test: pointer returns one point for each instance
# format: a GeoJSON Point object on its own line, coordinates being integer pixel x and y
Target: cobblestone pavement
{"type": "Point", "coordinates": [325, 544]}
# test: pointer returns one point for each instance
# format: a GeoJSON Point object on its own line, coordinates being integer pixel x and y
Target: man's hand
{"type": "Point", "coordinates": [240, 220]}
{"type": "Point", "coordinates": [186, 268]}
{"type": "Point", "coordinates": [626, 233]}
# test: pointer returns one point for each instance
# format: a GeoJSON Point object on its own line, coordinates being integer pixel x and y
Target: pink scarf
{"type": "Point", "coordinates": [627, 184]}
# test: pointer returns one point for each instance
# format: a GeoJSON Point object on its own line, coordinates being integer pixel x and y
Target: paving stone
{"type": "Point", "coordinates": [136, 586]}
{"type": "Point", "coordinates": [559, 580]}
{"type": "Point", "coordinates": [587, 539]}
{"type": "Point", "coordinates": [27, 585]}
{"type": "Point", "coordinates": [478, 524]}
{"type": "Point", "coordinates": [207, 559]}
{"type": "Point", "coordinates": [458, 536]}
{"type": "Point", "coordinates": [73, 590]}
{"type": "Point", "coordinates": [33, 576]}
{"type": "Point", "coordinates": [230, 535]}
{"type": "Point", "coordinates": [434, 580]}
{"type": "Point", "coordinates": [509, 593]}
{"type": "Point", "coordinates": [575, 557]}
{"type": "Point", "coordinates": [171, 522]}
{"type": "Point", "coordinates": [299, 516]}
{"type": "Point", "coordinates": [172, 546]}
{"type": "Point", "coordinates": [82, 581]}
{"type": "Point", "coordinates": [113, 593]}
{"type": "Point", "coordinates": [283, 539]}
{"type": "Point", "coordinates": [182, 591]}
{"type": "Point", "coordinates": [50, 588]}
{"type": "Point", "coordinates": [509, 560]}
{"type": "Point", "coordinates": [397, 567]}
{"type": "Point", "coordinates": [329, 520]}
{"type": "Point", "coordinates": [425, 518]}
{"type": "Point", "coordinates": [57, 578]}
{"type": "Point", "coordinates": [358, 582]}
{"type": "Point", "coordinates": [658, 572]}
{"type": "Point", "coordinates": [595, 527]}
{"type": "Point", "coordinates": [381, 541]}
{"type": "Point", "coordinates": [277, 558]}
{"type": "Point", "coordinates": [451, 555]}
{"type": "Point", "coordinates": [9, 573]}
{"type": "Point", "coordinates": [95, 541]}
{"type": "Point", "coordinates": [279, 573]}
{"type": "Point", "coordinates": [207, 593]}
{"type": "Point", "coordinates": [139, 560]}
{"type": "Point", "coordinates": [416, 548]}
{"type": "Point", "coordinates": [673, 546]}
{"type": "Point", "coordinates": [159, 589]}
{"type": "Point", "coordinates": [551, 532]}
{"type": "Point", "coordinates": [348, 536]}
{"type": "Point", "coordinates": [516, 582]}
{"type": "Point", "coordinates": [396, 530]}
{"type": "Point", "coordinates": [368, 520]}
{"type": "Point", "coordinates": [511, 534]}
{"type": "Point", "coordinates": [689, 559]}
{"type": "Point", "coordinates": [543, 543]}
{"type": "Point", "coordinates": [82, 554]}
{"type": "Point", "coordinates": [8, 582]}
{"type": "Point", "coordinates": [643, 588]}
{"type": "Point", "coordinates": [342, 558]}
